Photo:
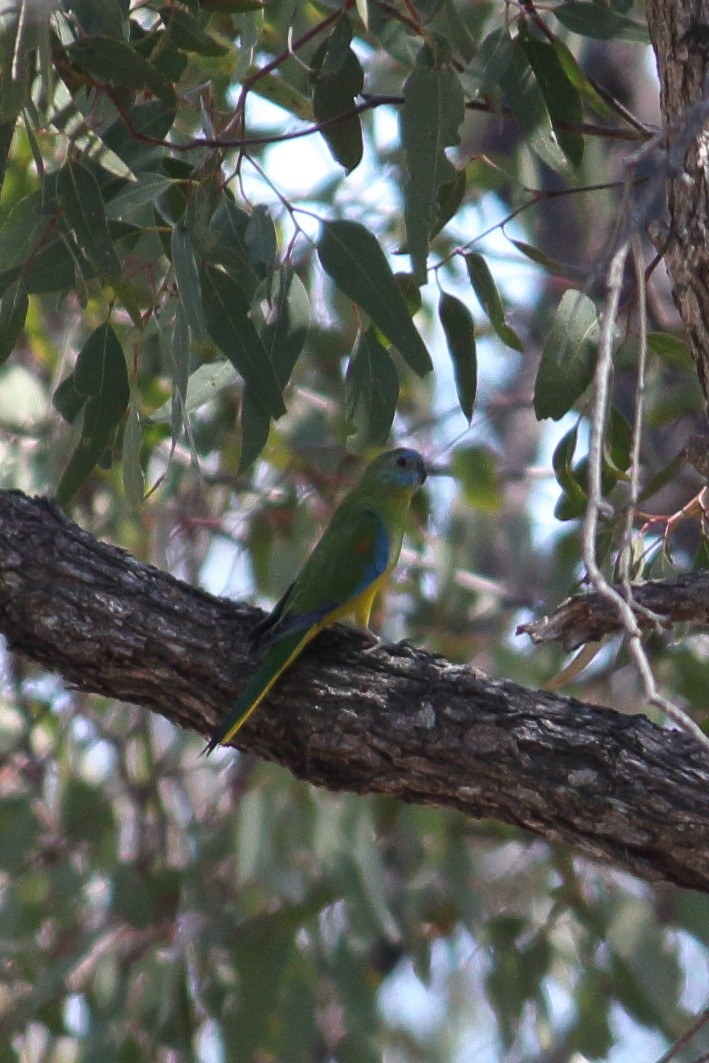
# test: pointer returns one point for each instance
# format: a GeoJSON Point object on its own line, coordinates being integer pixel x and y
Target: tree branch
{"type": "Point", "coordinates": [656, 604]}
{"type": "Point", "coordinates": [409, 724]}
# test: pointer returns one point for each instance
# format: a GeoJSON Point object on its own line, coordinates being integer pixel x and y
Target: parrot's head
{"type": "Point", "coordinates": [401, 469]}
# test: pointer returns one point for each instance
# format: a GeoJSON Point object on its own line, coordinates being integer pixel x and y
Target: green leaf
{"type": "Point", "coordinates": [670, 349]}
{"type": "Point", "coordinates": [371, 390]}
{"type": "Point", "coordinates": [203, 385]}
{"type": "Point", "coordinates": [561, 97]}
{"type": "Point", "coordinates": [80, 199]}
{"type": "Point", "coordinates": [459, 327]}
{"type": "Point", "coordinates": [476, 470]}
{"type": "Point", "coordinates": [336, 77]}
{"type": "Point", "coordinates": [568, 358]}
{"type": "Point", "coordinates": [133, 480]}
{"type": "Point", "coordinates": [434, 108]}
{"type": "Point", "coordinates": [23, 229]}
{"type": "Point", "coordinates": [67, 401]}
{"type": "Point", "coordinates": [226, 313]}
{"type": "Point", "coordinates": [261, 240]}
{"type": "Point", "coordinates": [572, 502]}
{"type": "Point", "coordinates": [187, 32]}
{"type": "Point", "coordinates": [13, 311]}
{"type": "Point", "coordinates": [490, 299]}
{"type": "Point", "coordinates": [116, 62]}
{"type": "Point", "coordinates": [493, 59]}
{"type": "Point", "coordinates": [535, 255]}
{"type": "Point", "coordinates": [525, 99]}
{"type": "Point", "coordinates": [152, 119]}
{"type": "Point", "coordinates": [350, 254]}
{"type": "Point", "coordinates": [187, 276]}
{"type": "Point", "coordinates": [17, 43]}
{"type": "Point", "coordinates": [101, 378]}
{"type": "Point", "coordinates": [139, 193]}
{"type": "Point", "coordinates": [595, 20]}
{"type": "Point", "coordinates": [280, 92]}
{"type": "Point", "coordinates": [580, 81]}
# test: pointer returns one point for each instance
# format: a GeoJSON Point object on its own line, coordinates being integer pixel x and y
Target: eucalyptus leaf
{"type": "Point", "coordinates": [434, 107]}
{"type": "Point", "coordinates": [352, 257]}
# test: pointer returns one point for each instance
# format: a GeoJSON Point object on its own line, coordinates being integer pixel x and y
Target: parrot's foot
{"type": "Point", "coordinates": [402, 648]}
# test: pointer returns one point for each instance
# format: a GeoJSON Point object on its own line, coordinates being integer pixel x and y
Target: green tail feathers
{"type": "Point", "coordinates": [275, 661]}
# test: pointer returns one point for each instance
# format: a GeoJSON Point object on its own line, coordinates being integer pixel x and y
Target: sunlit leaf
{"type": "Point", "coordinates": [434, 107]}
{"type": "Point", "coordinates": [351, 255]}
{"type": "Point", "coordinates": [133, 480]}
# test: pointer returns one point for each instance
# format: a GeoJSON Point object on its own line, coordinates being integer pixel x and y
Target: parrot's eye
{"type": "Point", "coordinates": [402, 462]}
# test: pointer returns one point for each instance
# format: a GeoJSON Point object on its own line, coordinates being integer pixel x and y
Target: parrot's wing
{"type": "Point", "coordinates": [259, 632]}
{"type": "Point", "coordinates": [353, 553]}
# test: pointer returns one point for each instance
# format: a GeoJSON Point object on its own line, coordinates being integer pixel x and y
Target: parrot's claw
{"type": "Point", "coordinates": [402, 648]}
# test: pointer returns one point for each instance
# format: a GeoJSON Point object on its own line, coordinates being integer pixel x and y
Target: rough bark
{"type": "Point", "coordinates": [679, 30]}
{"type": "Point", "coordinates": [658, 604]}
{"type": "Point", "coordinates": [405, 723]}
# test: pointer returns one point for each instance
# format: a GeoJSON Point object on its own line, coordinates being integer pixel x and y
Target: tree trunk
{"type": "Point", "coordinates": [679, 30]}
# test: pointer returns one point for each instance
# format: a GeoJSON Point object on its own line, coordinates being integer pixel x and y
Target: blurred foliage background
{"type": "Point", "coordinates": [217, 220]}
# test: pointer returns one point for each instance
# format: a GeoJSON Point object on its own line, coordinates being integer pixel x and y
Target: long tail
{"type": "Point", "coordinates": [280, 655]}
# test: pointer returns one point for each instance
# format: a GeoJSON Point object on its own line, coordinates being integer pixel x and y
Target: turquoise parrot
{"type": "Point", "coordinates": [351, 562]}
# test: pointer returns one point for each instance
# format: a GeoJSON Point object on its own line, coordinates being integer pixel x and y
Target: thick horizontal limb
{"type": "Point", "coordinates": [617, 788]}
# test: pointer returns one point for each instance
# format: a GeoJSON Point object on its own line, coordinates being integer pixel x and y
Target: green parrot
{"type": "Point", "coordinates": [357, 552]}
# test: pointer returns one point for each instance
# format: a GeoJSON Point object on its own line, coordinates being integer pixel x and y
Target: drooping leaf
{"type": "Point", "coordinates": [561, 97]}
{"type": "Point", "coordinates": [282, 318]}
{"type": "Point", "coordinates": [596, 20]}
{"type": "Point", "coordinates": [101, 378]}
{"type": "Point", "coordinates": [226, 313]}
{"type": "Point", "coordinates": [151, 119]}
{"type": "Point", "coordinates": [336, 78]}
{"type": "Point", "coordinates": [568, 357]}
{"type": "Point", "coordinates": [203, 385]}
{"type": "Point", "coordinates": [459, 328]}
{"type": "Point", "coordinates": [277, 90]}
{"type": "Point", "coordinates": [573, 500]}
{"type": "Point", "coordinates": [187, 275]}
{"type": "Point", "coordinates": [114, 61]}
{"type": "Point", "coordinates": [434, 108]}
{"type": "Point", "coordinates": [350, 254]}
{"type": "Point", "coordinates": [490, 299]}
{"type": "Point", "coordinates": [524, 97]}
{"type": "Point", "coordinates": [371, 390]}
{"type": "Point", "coordinates": [476, 469]}
{"type": "Point", "coordinates": [13, 311]}
{"type": "Point", "coordinates": [493, 58]}
{"type": "Point", "coordinates": [187, 32]}
{"type": "Point", "coordinates": [133, 480]}
{"type": "Point", "coordinates": [18, 39]}
{"type": "Point", "coordinates": [82, 206]}
{"type": "Point", "coordinates": [261, 240]}
{"type": "Point", "coordinates": [147, 188]}
{"type": "Point", "coordinates": [23, 229]}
